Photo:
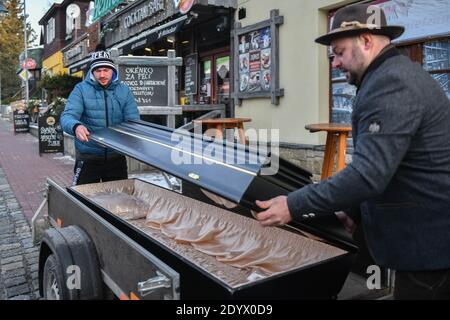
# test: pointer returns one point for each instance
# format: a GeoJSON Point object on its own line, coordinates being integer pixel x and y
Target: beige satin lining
{"type": "Point", "coordinates": [229, 238]}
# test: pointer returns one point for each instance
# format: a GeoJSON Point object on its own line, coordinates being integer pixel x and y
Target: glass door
{"type": "Point", "coordinates": [222, 77]}
{"type": "Point", "coordinates": [206, 93]}
{"type": "Point", "coordinates": [215, 77]}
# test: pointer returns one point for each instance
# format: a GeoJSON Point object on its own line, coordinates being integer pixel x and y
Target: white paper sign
{"type": "Point", "coordinates": [421, 18]}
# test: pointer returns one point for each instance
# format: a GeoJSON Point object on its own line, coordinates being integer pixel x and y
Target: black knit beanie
{"type": "Point", "coordinates": [101, 58]}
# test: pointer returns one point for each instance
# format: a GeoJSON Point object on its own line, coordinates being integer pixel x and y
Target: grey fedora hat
{"type": "Point", "coordinates": [358, 18]}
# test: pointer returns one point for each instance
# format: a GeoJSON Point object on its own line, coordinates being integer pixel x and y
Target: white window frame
{"type": "Point", "coordinates": [50, 30]}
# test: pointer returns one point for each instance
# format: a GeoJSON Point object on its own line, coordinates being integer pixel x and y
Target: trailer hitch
{"type": "Point", "coordinates": [158, 282]}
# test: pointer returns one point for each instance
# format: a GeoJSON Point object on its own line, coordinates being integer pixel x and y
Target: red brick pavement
{"type": "Point", "coordinates": [27, 171]}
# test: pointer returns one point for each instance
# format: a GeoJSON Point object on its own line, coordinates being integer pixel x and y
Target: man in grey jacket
{"type": "Point", "coordinates": [398, 184]}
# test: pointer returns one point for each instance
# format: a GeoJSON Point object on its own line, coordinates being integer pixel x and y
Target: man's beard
{"type": "Point", "coordinates": [354, 77]}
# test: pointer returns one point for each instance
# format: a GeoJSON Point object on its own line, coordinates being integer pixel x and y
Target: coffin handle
{"type": "Point", "coordinates": [158, 282]}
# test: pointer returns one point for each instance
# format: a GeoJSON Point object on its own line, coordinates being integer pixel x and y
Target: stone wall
{"type": "Point", "coordinates": [308, 157]}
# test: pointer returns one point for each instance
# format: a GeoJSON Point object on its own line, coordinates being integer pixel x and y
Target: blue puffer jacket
{"type": "Point", "coordinates": [96, 107]}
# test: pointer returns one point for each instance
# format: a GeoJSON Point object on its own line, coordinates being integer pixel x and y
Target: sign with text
{"type": "Point", "coordinates": [21, 121]}
{"type": "Point", "coordinates": [150, 9]}
{"type": "Point", "coordinates": [51, 136]}
{"type": "Point", "coordinates": [102, 7]}
{"type": "Point", "coordinates": [190, 75]}
{"type": "Point", "coordinates": [149, 84]}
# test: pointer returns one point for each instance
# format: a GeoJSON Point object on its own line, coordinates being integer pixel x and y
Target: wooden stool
{"type": "Point", "coordinates": [220, 124]}
{"type": "Point", "coordinates": [336, 133]}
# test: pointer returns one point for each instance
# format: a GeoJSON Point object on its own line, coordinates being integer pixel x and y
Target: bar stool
{"type": "Point", "coordinates": [219, 124]}
{"type": "Point", "coordinates": [337, 133]}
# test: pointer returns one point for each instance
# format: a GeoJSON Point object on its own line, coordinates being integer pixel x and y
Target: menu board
{"type": "Point", "coordinates": [51, 136]}
{"type": "Point", "coordinates": [149, 85]}
{"type": "Point", "coordinates": [190, 75]}
{"type": "Point", "coordinates": [21, 121]}
{"type": "Point", "coordinates": [255, 55]}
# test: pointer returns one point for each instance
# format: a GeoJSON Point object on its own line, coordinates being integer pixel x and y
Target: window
{"type": "Point", "coordinates": [215, 78]}
{"type": "Point", "coordinates": [50, 30]}
{"type": "Point", "coordinates": [342, 97]}
{"type": "Point", "coordinates": [436, 60]}
{"type": "Point", "coordinates": [223, 78]}
{"type": "Point", "coordinates": [205, 81]}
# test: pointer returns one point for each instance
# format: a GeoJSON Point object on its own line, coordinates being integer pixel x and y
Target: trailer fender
{"type": "Point", "coordinates": [78, 260]}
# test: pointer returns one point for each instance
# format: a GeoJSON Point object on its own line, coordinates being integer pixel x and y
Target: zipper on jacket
{"type": "Point", "coordinates": [105, 95]}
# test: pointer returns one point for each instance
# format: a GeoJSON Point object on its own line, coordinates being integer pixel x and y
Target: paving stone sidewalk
{"type": "Point", "coordinates": [26, 171]}
{"type": "Point", "coordinates": [18, 256]}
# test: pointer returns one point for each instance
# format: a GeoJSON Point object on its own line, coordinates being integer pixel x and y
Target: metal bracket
{"type": "Point", "coordinates": [174, 185]}
{"type": "Point", "coordinates": [158, 282]}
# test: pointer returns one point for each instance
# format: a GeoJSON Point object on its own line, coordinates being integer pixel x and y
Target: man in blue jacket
{"type": "Point", "coordinates": [100, 101]}
{"type": "Point", "coordinates": [398, 184]}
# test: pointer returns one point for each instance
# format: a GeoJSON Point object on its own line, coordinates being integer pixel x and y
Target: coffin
{"type": "Point", "coordinates": [207, 232]}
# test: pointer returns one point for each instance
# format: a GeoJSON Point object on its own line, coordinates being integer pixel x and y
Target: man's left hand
{"type": "Point", "coordinates": [277, 212]}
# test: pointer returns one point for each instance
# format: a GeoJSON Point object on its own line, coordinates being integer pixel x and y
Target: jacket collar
{"type": "Point", "coordinates": [388, 52]}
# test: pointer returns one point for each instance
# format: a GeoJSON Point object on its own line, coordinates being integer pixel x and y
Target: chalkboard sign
{"type": "Point", "coordinates": [21, 121]}
{"type": "Point", "coordinates": [190, 75]}
{"type": "Point", "coordinates": [149, 84]}
{"type": "Point", "coordinates": [51, 136]}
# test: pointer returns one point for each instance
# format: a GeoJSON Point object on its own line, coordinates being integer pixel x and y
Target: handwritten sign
{"type": "Point", "coordinates": [21, 120]}
{"type": "Point", "coordinates": [149, 84]}
{"type": "Point", "coordinates": [51, 136]}
{"type": "Point", "coordinates": [190, 75]}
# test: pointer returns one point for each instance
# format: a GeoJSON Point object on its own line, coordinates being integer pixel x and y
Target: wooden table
{"type": "Point", "coordinates": [336, 133]}
{"type": "Point", "coordinates": [219, 124]}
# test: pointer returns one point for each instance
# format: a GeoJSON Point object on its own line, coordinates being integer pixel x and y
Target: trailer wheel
{"type": "Point", "coordinates": [54, 282]}
{"type": "Point", "coordinates": [68, 254]}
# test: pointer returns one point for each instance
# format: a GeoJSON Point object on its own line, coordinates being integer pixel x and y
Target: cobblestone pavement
{"type": "Point", "coordinates": [18, 256]}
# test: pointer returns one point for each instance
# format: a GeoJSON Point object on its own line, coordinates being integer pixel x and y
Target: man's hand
{"type": "Point", "coordinates": [82, 133]}
{"type": "Point", "coordinates": [277, 212]}
{"type": "Point", "coordinates": [348, 223]}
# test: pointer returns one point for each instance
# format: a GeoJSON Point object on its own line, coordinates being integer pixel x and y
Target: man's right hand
{"type": "Point", "coordinates": [348, 222]}
{"type": "Point", "coordinates": [82, 133]}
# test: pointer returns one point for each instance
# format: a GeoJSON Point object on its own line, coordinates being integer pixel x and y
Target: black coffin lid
{"type": "Point", "coordinates": [205, 163]}
{"type": "Point", "coordinates": [237, 181]}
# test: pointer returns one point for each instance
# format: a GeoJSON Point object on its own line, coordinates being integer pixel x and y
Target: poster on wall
{"type": "Point", "coordinates": [256, 63]}
{"type": "Point", "coordinates": [255, 60]}
{"type": "Point", "coordinates": [421, 18]}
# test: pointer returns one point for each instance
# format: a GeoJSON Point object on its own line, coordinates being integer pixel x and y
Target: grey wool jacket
{"type": "Point", "coordinates": [400, 174]}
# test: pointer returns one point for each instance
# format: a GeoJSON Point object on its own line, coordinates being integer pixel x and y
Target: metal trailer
{"type": "Point", "coordinates": [90, 253]}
